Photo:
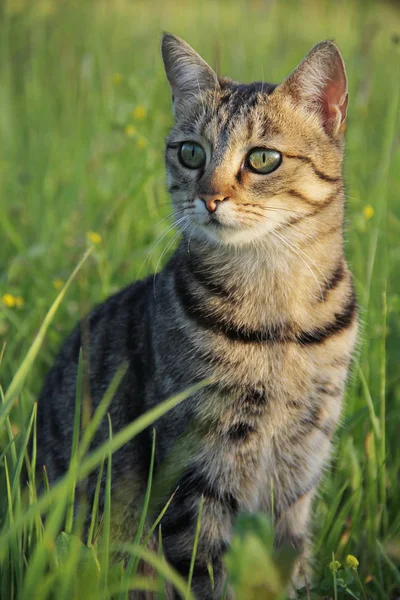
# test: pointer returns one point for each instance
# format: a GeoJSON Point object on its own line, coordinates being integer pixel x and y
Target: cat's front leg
{"type": "Point", "coordinates": [292, 529]}
{"type": "Point", "coordinates": [179, 526]}
{"type": "Point", "coordinates": [298, 458]}
{"type": "Point", "coordinates": [208, 574]}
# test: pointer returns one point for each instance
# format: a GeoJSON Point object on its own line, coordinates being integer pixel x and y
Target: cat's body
{"type": "Point", "coordinates": [257, 297]}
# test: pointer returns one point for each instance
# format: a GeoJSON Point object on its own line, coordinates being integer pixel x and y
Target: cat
{"type": "Point", "coordinates": [257, 297]}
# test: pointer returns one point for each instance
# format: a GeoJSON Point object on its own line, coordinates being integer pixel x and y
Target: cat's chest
{"type": "Point", "coordinates": [253, 375]}
{"type": "Point", "coordinates": [245, 410]}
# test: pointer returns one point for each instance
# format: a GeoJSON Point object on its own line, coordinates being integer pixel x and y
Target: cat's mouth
{"type": "Point", "coordinates": [215, 221]}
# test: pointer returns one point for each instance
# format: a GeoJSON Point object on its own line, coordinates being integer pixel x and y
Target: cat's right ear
{"type": "Point", "coordinates": [320, 84]}
{"type": "Point", "coordinates": [188, 74]}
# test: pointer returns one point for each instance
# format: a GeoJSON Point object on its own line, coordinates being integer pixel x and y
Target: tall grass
{"type": "Point", "coordinates": [84, 108]}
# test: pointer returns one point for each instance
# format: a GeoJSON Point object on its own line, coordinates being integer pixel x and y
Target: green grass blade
{"type": "Point", "coordinates": [26, 365]}
{"type": "Point", "coordinates": [393, 568]}
{"type": "Point", "coordinates": [133, 583]}
{"type": "Point", "coordinates": [10, 434]}
{"type": "Point", "coordinates": [158, 520]}
{"type": "Point", "coordinates": [82, 470]}
{"type": "Point", "coordinates": [129, 432]}
{"type": "Point", "coordinates": [106, 531]}
{"type": "Point", "coordinates": [75, 442]}
{"type": "Point", "coordinates": [195, 545]}
{"type": "Point", "coordinates": [382, 417]}
{"type": "Point", "coordinates": [95, 507]}
{"type": "Point", "coordinates": [162, 567]}
{"type": "Point", "coordinates": [18, 467]}
{"type": "Point", "coordinates": [134, 561]}
{"type": "Point", "coordinates": [100, 412]}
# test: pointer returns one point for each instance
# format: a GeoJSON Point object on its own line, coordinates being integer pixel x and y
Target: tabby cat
{"type": "Point", "coordinates": [258, 297]}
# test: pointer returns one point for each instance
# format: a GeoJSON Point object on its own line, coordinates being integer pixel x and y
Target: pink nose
{"type": "Point", "coordinates": [212, 200]}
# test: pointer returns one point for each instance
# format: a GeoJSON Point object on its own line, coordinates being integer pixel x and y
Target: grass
{"type": "Point", "coordinates": [84, 109]}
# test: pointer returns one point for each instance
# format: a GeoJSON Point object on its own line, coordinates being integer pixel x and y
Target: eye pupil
{"type": "Point", "coordinates": [263, 161]}
{"type": "Point", "coordinates": [192, 155]}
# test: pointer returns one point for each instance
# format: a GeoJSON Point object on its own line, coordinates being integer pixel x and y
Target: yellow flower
{"type": "Point", "coordinates": [368, 212]}
{"type": "Point", "coordinates": [9, 300]}
{"type": "Point", "coordinates": [352, 562]}
{"type": "Point", "coordinates": [117, 79]}
{"type": "Point", "coordinates": [94, 237]}
{"type": "Point", "coordinates": [334, 565]}
{"type": "Point", "coordinates": [141, 143]}
{"type": "Point", "coordinates": [58, 284]}
{"type": "Point", "coordinates": [19, 301]}
{"type": "Point", "coordinates": [139, 112]}
{"type": "Point", "coordinates": [130, 130]}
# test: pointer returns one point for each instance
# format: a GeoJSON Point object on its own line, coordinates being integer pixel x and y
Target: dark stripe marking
{"type": "Point", "coordinates": [333, 282]}
{"type": "Point", "coordinates": [333, 392]}
{"type": "Point", "coordinates": [182, 564]}
{"type": "Point", "coordinates": [178, 522]}
{"type": "Point", "coordinates": [303, 198]}
{"type": "Point", "coordinates": [327, 428]}
{"type": "Point", "coordinates": [247, 396]}
{"type": "Point", "coordinates": [195, 269]}
{"type": "Point", "coordinates": [319, 206]}
{"type": "Point", "coordinates": [320, 174]}
{"type": "Point", "coordinates": [305, 424]}
{"type": "Point", "coordinates": [239, 432]}
{"type": "Point", "coordinates": [254, 396]}
{"type": "Point", "coordinates": [341, 321]}
{"type": "Point", "coordinates": [194, 483]}
{"type": "Point", "coordinates": [199, 313]}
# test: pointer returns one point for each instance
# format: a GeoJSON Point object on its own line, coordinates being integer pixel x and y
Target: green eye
{"type": "Point", "coordinates": [263, 161]}
{"type": "Point", "coordinates": [192, 155]}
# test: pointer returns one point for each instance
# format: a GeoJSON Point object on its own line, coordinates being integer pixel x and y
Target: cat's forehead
{"type": "Point", "coordinates": [234, 96]}
{"type": "Point", "coordinates": [232, 110]}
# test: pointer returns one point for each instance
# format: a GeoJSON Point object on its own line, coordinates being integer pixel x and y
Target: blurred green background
{"type": "Point", "coordinates": [84, 109]}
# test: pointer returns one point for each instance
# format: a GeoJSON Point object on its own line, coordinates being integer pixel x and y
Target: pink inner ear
{"type": "Point", "coordinates": [334, 96]}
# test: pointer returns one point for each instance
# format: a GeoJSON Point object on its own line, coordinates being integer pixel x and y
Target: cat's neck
{"type": "Point", "coordinates": [269, 275]}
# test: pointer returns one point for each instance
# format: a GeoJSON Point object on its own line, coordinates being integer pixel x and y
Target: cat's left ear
{"type": "Point", "coordinates": [320, 84]}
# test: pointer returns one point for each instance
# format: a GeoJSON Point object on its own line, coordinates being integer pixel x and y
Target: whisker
{"type": "Point", "coordinates": [254, 212]}
{"type": "Point", "coordinates": [297, 251]}
{"type": "Point", "coordinates": [167, 247]}
{"type": "Point", "coordinates": [295, 213]}
{"type": "Point", "coordinates": [189, 240]}
{"type": "Point", "coordinates": [171, 214]}
{"type": "Point", "coordinates": [351, 197]}
{"type": "Point", "coordinates": [158, 241]}
{"type": "Point", "coordinates": [280, 208]}
{"type": "Point", "coordinates": [307, 257]}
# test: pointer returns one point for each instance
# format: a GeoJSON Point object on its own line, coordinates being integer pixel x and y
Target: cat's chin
{"type": "Point", "coordinates": [219, 234]}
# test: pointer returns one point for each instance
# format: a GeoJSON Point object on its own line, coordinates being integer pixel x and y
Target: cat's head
{"type": "Point", "coordinates": [247, 161]}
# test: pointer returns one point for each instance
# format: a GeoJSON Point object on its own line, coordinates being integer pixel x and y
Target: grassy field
{"type": "Point", "coordinates": [84, 109]}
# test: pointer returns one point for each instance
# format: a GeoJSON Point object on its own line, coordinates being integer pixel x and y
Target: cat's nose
{"type": "Point", "coordinates": [212, 200]}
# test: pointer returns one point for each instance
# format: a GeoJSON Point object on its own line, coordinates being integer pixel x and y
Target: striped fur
{"type": "Point", "coordinates": [258, 297]}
